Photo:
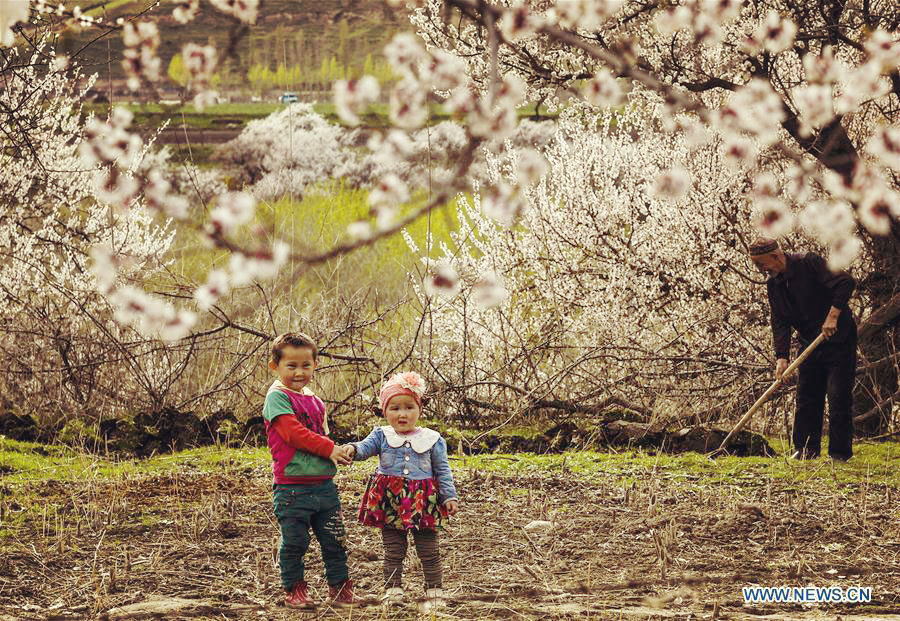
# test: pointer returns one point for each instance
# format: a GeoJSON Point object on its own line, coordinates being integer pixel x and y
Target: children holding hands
{"type": "Point", "coordinates": [304, 461]}
{"type": "Point", "coordinates": [412, 488]}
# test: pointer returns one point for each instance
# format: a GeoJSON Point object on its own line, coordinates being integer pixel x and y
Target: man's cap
{"type": "Point", "coordinates": [761, 246]}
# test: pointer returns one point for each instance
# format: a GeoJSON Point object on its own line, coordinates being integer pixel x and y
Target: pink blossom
{"type": "Point", "coordinates": [409, 380]}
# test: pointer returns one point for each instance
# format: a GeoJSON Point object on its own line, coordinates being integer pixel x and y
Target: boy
{"type": "Point", "coordinates": [304, 463]}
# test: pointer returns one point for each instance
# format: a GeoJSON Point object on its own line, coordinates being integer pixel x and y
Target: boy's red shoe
{"type": "Point", "coordinates": [298, 597]}
{"type": "Point", "coordinates": [341, 595]}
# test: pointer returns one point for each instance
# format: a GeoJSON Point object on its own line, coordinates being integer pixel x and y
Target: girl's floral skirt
{"type": "Point", "coordinates": [401, 503]}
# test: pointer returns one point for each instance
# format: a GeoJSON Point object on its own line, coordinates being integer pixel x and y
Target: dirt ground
{"type": "Point", "coordinates": [199, 545]}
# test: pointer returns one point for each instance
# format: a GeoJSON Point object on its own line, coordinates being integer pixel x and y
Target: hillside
{"type": "Point", "coordinates": [316, 41]}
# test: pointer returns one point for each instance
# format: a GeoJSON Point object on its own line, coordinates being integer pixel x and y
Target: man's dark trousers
{"type": "Point", "coordinates": [831, 370]}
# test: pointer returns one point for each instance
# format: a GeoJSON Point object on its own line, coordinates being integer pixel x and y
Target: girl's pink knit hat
{"type": "Point", "coordinates": [409, 383]}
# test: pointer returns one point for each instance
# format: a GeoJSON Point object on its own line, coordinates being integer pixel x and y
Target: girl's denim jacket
{"type": "Point", "coordinates": [421, 454]}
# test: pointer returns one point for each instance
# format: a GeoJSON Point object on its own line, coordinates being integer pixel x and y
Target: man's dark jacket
{"type": "Point", "coordinates": [801, 297]}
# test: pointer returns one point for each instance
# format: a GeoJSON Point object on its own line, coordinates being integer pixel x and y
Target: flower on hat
{"type": "Point", "coordinates": [410, 381]}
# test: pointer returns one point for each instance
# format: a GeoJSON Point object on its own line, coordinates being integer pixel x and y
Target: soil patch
{"type": "Point", "coordinates": [655, 549]}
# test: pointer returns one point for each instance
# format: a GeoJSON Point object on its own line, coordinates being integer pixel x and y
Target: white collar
{"type": "Point", "coordinates": [421, 440]}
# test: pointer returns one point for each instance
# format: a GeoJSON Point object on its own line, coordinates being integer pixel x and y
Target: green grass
{"type": "Point", "coordinates": [318, 221]}
{"type": "Point", "coordinates": [237, 115]}
{"type": "Point", "coordinates": [873, 464]}
{"type": "Point", "coordinates": [28, 462]}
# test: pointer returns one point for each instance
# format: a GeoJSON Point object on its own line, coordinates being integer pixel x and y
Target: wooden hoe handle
{"type": "Point", "coordinates": [765, 396]}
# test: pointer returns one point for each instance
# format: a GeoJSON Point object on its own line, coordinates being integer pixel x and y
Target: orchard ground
{"type": "Point", "coordinates": [631, 536]}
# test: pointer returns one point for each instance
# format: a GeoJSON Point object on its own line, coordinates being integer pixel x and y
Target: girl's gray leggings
{"type": "Point", "coordinates": [395, 543]}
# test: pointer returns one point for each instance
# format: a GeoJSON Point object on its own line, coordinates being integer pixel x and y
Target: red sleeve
{"type": "Point", "coordinates": [295, 434]}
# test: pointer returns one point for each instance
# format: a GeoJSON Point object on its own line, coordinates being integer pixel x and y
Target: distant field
{"type": "Point", "coordinates": [304, 36]}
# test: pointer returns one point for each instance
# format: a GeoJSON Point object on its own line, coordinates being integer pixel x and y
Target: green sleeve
{"type": "Point", "coordinates": [276, 404]}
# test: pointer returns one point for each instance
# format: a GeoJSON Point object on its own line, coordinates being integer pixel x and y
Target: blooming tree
{"type": "Point", "coordinates": [58, 333]}
{"type": "Point", "coordinates": [803, 96]}
{"type": "Point", "coordinates": [798, 98]}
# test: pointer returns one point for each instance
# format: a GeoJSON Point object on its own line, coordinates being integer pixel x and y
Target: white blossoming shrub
{"type": "Point", "coordinates": [63, 352]}
{"type": "Point", "coordinates": [286, 151]}
{"type": "Point", "coordinates": [601, 286]}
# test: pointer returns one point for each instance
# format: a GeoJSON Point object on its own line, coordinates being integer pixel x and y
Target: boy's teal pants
{"type": "Point", "coordinates": [299, 508]}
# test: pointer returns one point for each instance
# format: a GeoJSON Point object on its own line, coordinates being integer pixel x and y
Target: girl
{"type": "Point", "coordinates": [412, 489]}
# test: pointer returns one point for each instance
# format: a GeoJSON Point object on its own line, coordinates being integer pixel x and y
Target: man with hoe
{"type": "Point", "coordinates": [804, 295]}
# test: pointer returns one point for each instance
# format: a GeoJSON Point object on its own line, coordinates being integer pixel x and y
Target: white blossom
{"type": "Point", "coordinates": [828, 221]}
{"type": "Point", "coordinates": [773, 34]}
{"type": "Point", "coordinates": [359, 230]}
{"type": "Point", "coordinates": [11, 13]}
{"type": "Point", "coordinates": [604, 89]}
{"type": "Point", "coordinates": [390, 191]}
{"type": "Point", "coordinates": [503, 204]}
{"type": "Point", "coordinates": [885, 145]}
{"type": "Point", "coordinates": [216, 285]}
{"type": "Point", "coordinates": [530, 166]}
{"type": "Point", "coordinates": [265, 264]}
{"type": "Point", "coordinates": [442, 280]}
{"type": "Point", "coordinates": [843, 252]}
{"type": "Point", "coordinates": [186, 10]}
{"type": "Point", "coordinates": [672, 183]}
{"type": "Point", "coordinates": [815, 105]}
{"type": "Point", "coordinates": [404, 53]}
{"type": "Point", "coordinates": [245, 10]}
{"type": "Point", "coordinates": [232, 210]}
{"type": "Point", "coordinates": [444, 71]}
{"type": "Point", "coordinates": [884, 48]}
{"type": "Point", "coordinates": [489, 291]}
{"type": "Point", "coordinates": [519, 23]}
{"type": "Point", "coordinates": [352, 97]}
{"type": "Point", "coordinates": [407, 105]}
{"type": "Point", "coordinates": [772, 217]}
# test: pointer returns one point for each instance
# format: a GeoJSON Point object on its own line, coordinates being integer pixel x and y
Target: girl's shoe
{"type": "Point", "coordinates": [393, 596]}
{"type": "Point", "coordinates": [298, 597]}
{"type": "Point", "coordinates": [434, 600]}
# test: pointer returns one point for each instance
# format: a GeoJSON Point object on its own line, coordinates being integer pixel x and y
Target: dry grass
{"type": "Point", "coordinates": [644, 542]}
